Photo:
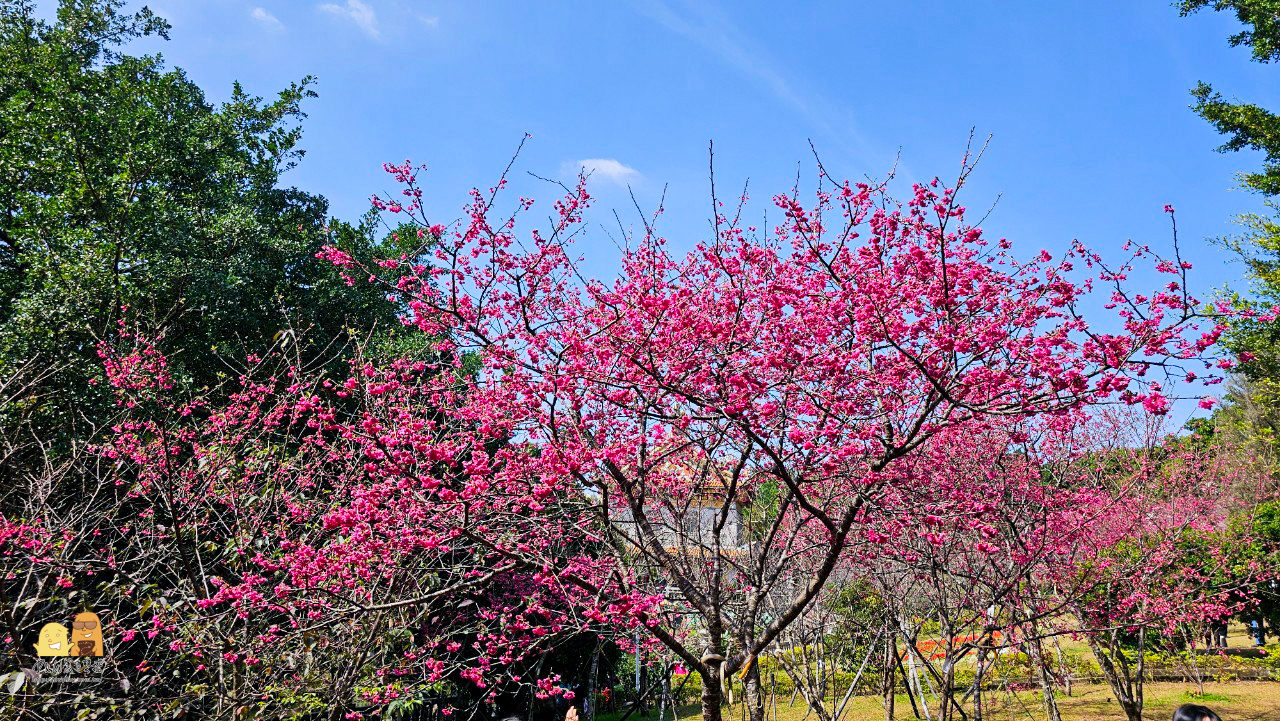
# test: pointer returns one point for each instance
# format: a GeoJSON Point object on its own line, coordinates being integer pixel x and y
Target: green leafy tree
{"type": "Point", "coordinates": [1246, 124]}
{"type": "Point", "coordinates": [1262, 531]}
{"type": "Point", "coordinates": [1249, 418]}
{"type": "Point", "coordinates": [121, 186]}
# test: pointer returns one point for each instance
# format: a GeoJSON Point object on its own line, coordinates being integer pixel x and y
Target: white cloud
{"type": "Point", "coordinates": [608, 169]}
{"type": "Point", "coordinates": [430, 21]}
{"type": "Point", "coordinates": [358, 13]}
{"type": "Point", "coordinates": [267, 20]}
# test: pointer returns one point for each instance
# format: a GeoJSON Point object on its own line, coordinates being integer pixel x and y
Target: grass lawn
{"type": "Point", "coordinates": [1235, 701]}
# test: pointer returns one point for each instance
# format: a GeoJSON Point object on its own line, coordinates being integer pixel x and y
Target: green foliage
{"type": "Point", "coordinates": [1010, 665]}
{"type": "Point", "coordinates": [121, 186]}
{"type": "Point", "coordinates": [773, 675]}
{"type": "Point", "coordinates": [1221, 666]}
{"type": "Point", "coordinates": [1266, 521]}
{"type": "Point", "coordinates": [1261, 16]}
{"type": "Point", "coordinates": [686, 689]}
{"type": "Point", "coordinates": [1082, 665]}
{"type": "Point", "coordinates": [1256, 342]}
{"type": "Point", "coordinates": [1206, 697]}
{"type": "Point", "coordinates": [1264, 549]}
{"type": "Point", "coordinates": [858, 608]}
{"type": "Point", "coordinates": [763, 510]}
{"type": "Point", "coordinates": [1245, 124]}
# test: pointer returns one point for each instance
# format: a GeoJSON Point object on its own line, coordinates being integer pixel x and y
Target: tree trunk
{"type": "Point", "coordinates": [906, 684]}
{"type": "Point", "coordinates": [1064, 671]}
{"type": "Point", "coordinates": [979, 670]}
{"type": "Point", "coordinates": [711, 692]}
{"type": "Point", "coordinates": [666, 694]}
{"type": "Point", "coordinates": [947, 689]}
{"type": "Point", "coordinates": [822, 668]}
{"type": "Point", "coordinates": [1132, 710]}
{"type": "Point", "coordinates": [752, 693]}
{"type": "Point", "coordinates": [889, 676]}
{"type": "Point", "coordinates": [773, 697]}
{"type": "Point", "coordinates": [1126, 686]}
{"type": "Point", "coordinates": [1193, 665]}
{"type": "Point", "coordinates": [1142, 668]}
{"type": "Point", "coordinates": [1046, 678]}
{"type": "Point", "coordinates": [916, 687]}
{"type": "Point", "coordinates": [589, 703]}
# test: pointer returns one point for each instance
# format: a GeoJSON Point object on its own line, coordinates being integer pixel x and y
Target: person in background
{"type": "Point", "coordinates": [1215, 634]}
{"type": "Point", "coordinates": [1259, 632]}
{"type": "Point", "coordinates": [1194, 712]}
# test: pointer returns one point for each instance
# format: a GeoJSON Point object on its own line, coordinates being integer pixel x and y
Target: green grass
{"type": "Point", "coordinates": [1234, 701]}
{"type": "Point", "coordinates": [1206, 697]}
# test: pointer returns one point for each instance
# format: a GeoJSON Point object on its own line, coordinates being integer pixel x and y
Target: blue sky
{"type": "Point", "coordinates": [1086, 103]}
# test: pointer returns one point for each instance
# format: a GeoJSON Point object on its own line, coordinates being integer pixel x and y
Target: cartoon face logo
{"type": "Point", "coordinates": [86, 635]}
{"type": "Point", "coordinates": [53, 640]}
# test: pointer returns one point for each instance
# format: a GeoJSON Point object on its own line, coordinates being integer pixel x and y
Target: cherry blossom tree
{"type": "Point", "coordinates": [814, 358]}
{"type": "Point", "coordinates": [306, 545]}
{"type": "Point", "coordinates": [1146, 567]}
{"type": "Point", "coordinates": [684, 454]}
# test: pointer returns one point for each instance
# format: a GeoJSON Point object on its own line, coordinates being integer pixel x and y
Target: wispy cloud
{"type": "Point", "coordinates": [606, 169]}
{"type": "Point", "coordinates": [357, 12]}
{"type": "Point", "coordinates": [430, 21]}
{"type": "Point", "coordinates": [716, 32]}
{"type": "Point", "coordinates": [706, 25]}
{"type": "Point", "coordinates": [266, 19]}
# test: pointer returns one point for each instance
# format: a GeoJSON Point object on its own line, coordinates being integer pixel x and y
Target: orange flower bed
{"type": "Point", "coordinates": [929, 648]}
